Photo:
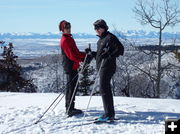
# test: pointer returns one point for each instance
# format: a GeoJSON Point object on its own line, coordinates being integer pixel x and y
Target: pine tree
{"type": "Point", "coordinates": [11, 73]}
{"type": "Point", "coordinates": [86, 80]}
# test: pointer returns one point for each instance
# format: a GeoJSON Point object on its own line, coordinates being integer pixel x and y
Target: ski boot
{"type": "Point", "coordinates": [73, 112]}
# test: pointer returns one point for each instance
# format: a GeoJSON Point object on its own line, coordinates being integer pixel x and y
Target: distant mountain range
{"type": "Point", "coordinates": [50, 35]}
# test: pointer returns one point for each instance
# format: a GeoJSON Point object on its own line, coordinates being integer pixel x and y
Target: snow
{"type": "Point", "coordinates": [30, 48]}
{"type": "Point", "coordinates": [18, 111]}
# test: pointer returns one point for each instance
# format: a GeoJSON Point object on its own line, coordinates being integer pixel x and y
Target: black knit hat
{"type": "Point", "coordinates": [100, 24]}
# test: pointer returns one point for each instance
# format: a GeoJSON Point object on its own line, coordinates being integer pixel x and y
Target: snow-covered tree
{"type": "Point", "coordinates": [158, 14]}
{"type": "Point", "coordinates": [86, 80]}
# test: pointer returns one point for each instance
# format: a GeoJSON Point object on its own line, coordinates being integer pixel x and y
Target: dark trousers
{"type": "Point", "coordinates": [72, 78]}
{"type": "Point", "coordinates": [106, 93]}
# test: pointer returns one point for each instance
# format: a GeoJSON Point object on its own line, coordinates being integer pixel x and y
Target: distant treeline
{"type": "Point", "coordinates": [156, 47]}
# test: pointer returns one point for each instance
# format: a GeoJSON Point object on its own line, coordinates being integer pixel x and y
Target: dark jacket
{"type": "Point", "coordinates": [113, 47]}
{"type": "Point", "coordinates": [71, 54]}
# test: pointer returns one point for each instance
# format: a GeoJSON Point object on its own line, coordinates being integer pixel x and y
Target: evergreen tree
{"type": "Point", "coordinates": [86, 80]}
{"type": "Point", "coordinates": [11, 73]}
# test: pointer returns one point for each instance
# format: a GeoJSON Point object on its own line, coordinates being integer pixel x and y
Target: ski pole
{"type": "Point", "coordinates": [83, 68]}
{"type": "Point", "coordinates": [58, 97]}
{"type": "Point", "coordinates": [92, 92]}
{"type": "Point", "coordinates": [58, 102]}
{"type": "Point", "coordinates": [47, 109]}
{"type": "Point", "coordinates": [61, 94]}
{"type": "Point", "coordinates": [64, 94]}
{"type": "Point", "coordinates": [55, 101]}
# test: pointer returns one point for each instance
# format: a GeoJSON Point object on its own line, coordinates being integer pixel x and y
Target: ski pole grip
{"type": "Point", "coordinates": [90, 46]}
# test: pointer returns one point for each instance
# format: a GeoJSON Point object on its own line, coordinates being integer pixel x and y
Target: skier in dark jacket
{"type": "Point", "coordinates": [108, 49]}
{"type": "Point", "coordinates": [71, 59]}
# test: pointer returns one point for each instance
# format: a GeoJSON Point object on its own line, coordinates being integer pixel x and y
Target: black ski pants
{"type": "Point", "coordinates": [72, 78]}
{"type": "Point", "coordinates": [106, 93]}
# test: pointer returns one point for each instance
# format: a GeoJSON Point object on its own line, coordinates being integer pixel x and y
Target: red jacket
{"type": "Point", "coordinates": [70, 49]}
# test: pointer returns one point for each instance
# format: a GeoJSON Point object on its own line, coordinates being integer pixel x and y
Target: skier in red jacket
{"type": "Point", "coordinates": [71, 59]}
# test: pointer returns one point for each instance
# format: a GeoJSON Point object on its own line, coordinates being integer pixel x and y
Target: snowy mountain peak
{"type": "Point", "coordinates": [55, 35]}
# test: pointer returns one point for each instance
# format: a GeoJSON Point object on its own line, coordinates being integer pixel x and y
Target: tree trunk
{"type": "Point", "coordinates": [159, 65]}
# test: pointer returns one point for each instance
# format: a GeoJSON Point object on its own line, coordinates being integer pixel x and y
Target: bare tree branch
{"type": "Point", "coordinates": [158, 14]}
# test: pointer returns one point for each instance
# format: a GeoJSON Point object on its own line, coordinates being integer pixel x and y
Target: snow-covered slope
{"type": "Point", "coordinates": [136, 115]}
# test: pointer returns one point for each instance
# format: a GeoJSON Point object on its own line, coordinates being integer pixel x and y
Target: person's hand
{"type": "Point", "coordinates": [92, 54]}
{"type": "Point", "coordinates": [87, 50]}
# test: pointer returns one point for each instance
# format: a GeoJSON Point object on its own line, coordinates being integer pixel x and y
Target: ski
{"type": "Point", "coordinates": [96, 121]}
{"type": "Point", "coordinates": [102, 122]}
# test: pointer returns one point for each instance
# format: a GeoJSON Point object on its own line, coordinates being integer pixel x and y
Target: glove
{"type": "Point", "coordinates": [87, 50]}
{"type": "Point", "coordinates": [90, 56]}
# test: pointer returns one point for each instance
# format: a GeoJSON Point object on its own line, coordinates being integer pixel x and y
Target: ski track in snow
{"type": "Point", "coordinates": [18, 112]}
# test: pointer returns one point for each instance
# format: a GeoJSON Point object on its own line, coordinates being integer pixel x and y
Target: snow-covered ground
{"type": "Point", "coordinates": [18, 111]}
{"type": "Point", "coordinates": [30, 48]}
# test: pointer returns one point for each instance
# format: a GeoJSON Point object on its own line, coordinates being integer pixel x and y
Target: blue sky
{"type": "Point", "coordinates": [43, 16]}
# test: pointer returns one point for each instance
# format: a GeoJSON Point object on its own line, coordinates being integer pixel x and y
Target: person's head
{"type": "Point", "coordinates": [100, 27]}
{"type": "Point", "coordinates": [65, 27]}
